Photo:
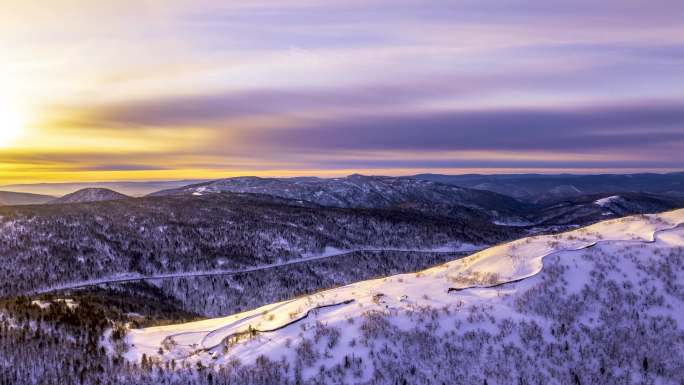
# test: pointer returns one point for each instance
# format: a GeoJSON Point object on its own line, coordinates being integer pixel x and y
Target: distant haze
{"type": "Point", "coordinates": [128, 188]}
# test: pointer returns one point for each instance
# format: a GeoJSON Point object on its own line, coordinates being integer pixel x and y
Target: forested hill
{"type": "Point", "coordinates": [47, 245]}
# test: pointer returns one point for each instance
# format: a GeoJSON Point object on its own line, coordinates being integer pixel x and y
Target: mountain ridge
{"type": "Point", "coordinates": [562, 205]}
{"type": "Point", "coordinates": [543, 188]}
{"type": "Point", "coordinates": [360, 191]}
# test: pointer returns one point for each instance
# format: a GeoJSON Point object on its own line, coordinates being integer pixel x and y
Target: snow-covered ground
{"type": "Point", "coordinates": [603, 202]}
{"type": "Point", "coordinates": [519, 223]}
{"type": "Point", "coordinates": [482, 292]}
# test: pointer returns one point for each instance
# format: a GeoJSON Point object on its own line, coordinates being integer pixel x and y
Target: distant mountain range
{"type": "Point", "coordinates": [569, 206]}
{"type": "Point", "coordinates": [549, 188]}
{"type": "Point", "coordinates": [529, 200]}
{"type": "Point", "coordinates": [359, 191]}
{"type": "Point", "coordinates": [526, 187]}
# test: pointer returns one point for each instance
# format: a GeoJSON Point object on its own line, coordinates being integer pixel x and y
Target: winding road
{"type": "Point", "coordinates": [209, 273]}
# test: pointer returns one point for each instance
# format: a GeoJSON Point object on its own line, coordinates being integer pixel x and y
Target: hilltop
{"type": "Point", "coordinates": [90, 195]}
{"type": "Point", "coordinates": [543, 309]}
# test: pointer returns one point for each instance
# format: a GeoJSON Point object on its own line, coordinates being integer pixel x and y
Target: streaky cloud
{"type": "Point", "coordinates": [612, 127]}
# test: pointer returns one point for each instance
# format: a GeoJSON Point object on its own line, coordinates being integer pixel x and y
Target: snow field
{"type": "Point", "coordinates": [477, 291]}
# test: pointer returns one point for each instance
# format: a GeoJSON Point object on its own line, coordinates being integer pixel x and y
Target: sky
{"type": "Point", "coordinates": [178, 89]}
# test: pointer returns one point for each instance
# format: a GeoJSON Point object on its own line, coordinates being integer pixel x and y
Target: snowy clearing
{"type": "Point", "coordinates": [46, 304]}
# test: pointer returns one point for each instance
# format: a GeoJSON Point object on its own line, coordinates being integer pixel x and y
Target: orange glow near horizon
{"type": "Point", "coordinates": [15, 177]}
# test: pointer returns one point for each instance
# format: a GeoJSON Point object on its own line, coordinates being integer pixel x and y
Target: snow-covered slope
{"type": "Point", "coordinates": [90, 195]}
{"type": "Point", "coordinates": [558, 307]}
{"type": "Point", "coordinates": [603, 202]}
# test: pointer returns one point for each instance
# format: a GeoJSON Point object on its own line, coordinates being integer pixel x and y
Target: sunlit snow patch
{"type": "Point", "coordinates": [603, 202]}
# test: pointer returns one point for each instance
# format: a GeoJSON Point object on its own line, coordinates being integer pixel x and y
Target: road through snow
{"type": "Point", "coordinates": [208, 273]}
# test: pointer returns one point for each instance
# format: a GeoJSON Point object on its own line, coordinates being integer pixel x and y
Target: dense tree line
{"type": "Point", "coordinates": [159, 301]}
{"type": "Point", "coordinates": [47, 245]}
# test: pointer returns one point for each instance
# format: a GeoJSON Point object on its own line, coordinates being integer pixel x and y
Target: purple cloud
{"type": "Point", "coordinates": [616, 126]}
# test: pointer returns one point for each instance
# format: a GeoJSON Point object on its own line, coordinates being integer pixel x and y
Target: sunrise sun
{"type": "Point", "coordinates": [12, 122]}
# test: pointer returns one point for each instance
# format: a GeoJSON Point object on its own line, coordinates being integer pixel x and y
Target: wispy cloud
{"type": "Point", "coordinates": [176, 87]}
{"type": "Point", "coordinates": [586, 128]}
